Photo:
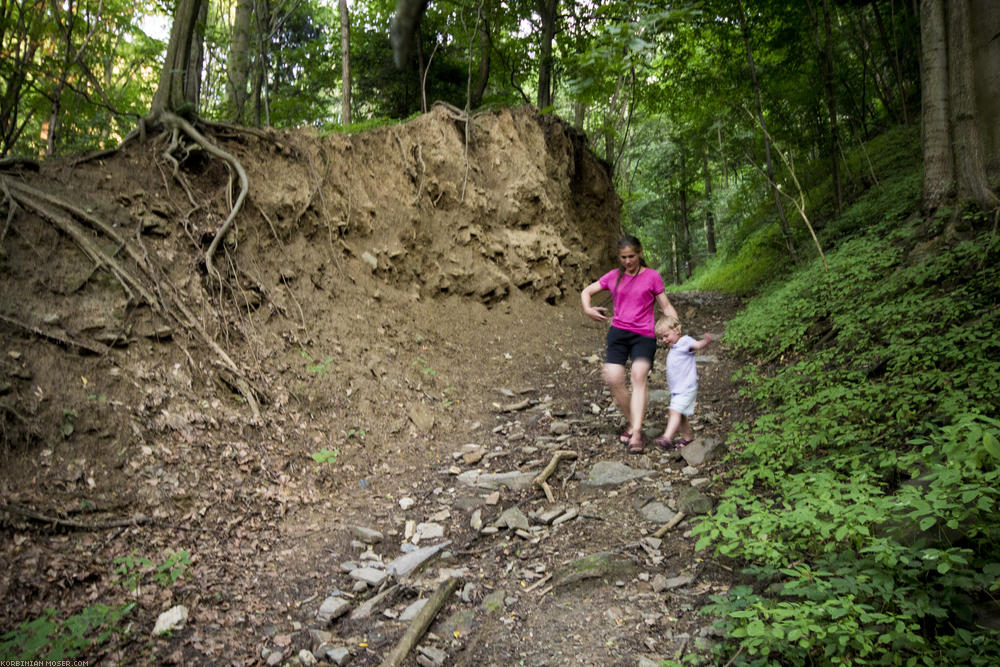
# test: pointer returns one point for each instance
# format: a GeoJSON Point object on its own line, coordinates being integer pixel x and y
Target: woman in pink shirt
{"type": "Point", "coordinates": [634, 289]}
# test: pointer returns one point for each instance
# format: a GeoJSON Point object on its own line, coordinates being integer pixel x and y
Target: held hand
{"type": "Point", "coordinates": [709, 338]}
{"type": "Point", "coordinates": [596, 313]}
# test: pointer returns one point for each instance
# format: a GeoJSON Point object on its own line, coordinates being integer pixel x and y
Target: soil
{"type": "Point", "coordinates": [382, 302]}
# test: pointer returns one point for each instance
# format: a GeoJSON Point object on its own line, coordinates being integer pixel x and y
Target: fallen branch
{"type": "Point", "coordinates": [69, 523]}
{"type": "Point", "coordinates": [420, 623]}
{"type": "Point", "coordinates": [539, 479]}
{"type": "Point", "coordinates": [670, 525]}
{"type": "Point", "coordinates": [514, 407]}
{"type": "Point", "coordinates": [94, 348]}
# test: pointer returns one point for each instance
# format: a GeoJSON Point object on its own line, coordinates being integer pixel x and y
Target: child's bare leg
{"type": "Point", "coordinates": [673, 421]}
{"type": "Point", "coordinates": [685, 429]}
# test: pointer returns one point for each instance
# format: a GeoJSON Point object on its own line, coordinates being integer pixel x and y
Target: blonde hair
{"type": "Point", "coordinates": [667, 323]}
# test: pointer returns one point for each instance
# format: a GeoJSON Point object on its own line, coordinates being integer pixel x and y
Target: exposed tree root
{"type": "Point", "coordinates": [175, 122]}
{"type": "Point", "coordinates": [64, 216]}
{"type": "Point", "coordinates": [57, 336]}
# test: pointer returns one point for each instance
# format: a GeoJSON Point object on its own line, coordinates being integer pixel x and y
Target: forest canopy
{"type": "Point", "coordinates": [703, 109]}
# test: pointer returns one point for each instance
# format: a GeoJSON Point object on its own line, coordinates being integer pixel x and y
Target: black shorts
{"type": "Point", "coordinates": [624, 345]}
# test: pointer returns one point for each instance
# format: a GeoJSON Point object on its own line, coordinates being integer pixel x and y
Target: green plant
{"type": "Point", "coordinates": [313, 367]}
{"type": "Point", "coordinates": [869, 485]}
{"type": "Point", "coordinates": [326, 455]}
{"type": "Point", "coordinates": [424, 368]}
{"type": "Point", "coordinates": [68, 422]}
{"type": "Point", "coordinates": [132, 569]}
{"type": "Point", "coordinates": [48, 638]}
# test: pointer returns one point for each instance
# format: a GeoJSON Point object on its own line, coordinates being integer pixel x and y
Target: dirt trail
{"type": "Point", "coordinates": [396, 302]}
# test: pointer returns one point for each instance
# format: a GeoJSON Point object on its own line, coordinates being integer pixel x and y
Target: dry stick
{"type": "Point", "coordinates": [420, 623]}
{"type": "Point", "coordinates": [800, 205]}
{"type": "Point", "coordinates": [539, 479]}
{"type": "Point", "coordinates": [662, 530]}
{"type": "Point", "coordinates": [69, 523]}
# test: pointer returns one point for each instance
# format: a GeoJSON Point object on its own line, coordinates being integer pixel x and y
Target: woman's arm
{"type": "Point", "coordinates": [666, 306]}
{"type": "Point", "coordinates": [594, 313]}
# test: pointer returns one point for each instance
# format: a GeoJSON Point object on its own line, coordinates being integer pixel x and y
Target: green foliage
{"type": "Point", "coordinates": [316, 367]}
{"type": "Point", "coordinates": [49, 638]}
{"type": "Point", "coordinates": [131, 570]}
{"type": "Point", "coordinates": [869, 487]}
{"type": "Point", "coordinates": [326, 455]}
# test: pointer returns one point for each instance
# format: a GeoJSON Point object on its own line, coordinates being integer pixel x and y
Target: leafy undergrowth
{"type": "Point", "coordinates": [865, 508]}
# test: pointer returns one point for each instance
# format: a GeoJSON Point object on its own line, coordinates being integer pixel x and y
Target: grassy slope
{"type": "Point", "coordinates": [864, 497]}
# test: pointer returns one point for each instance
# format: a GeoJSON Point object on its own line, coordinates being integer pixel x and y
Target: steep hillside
{"type": "Point", "coordinates": [383, 303]}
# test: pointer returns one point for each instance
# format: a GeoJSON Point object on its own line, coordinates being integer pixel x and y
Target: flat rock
{"type": "Point", "coordinates": [657, 512]}
{"type": "Point", "coordinates": [404, 565]}
{"type": "Point", "coordinates": [428, 531]}
{"type": "Point", "coordinates": [658, 396]}
{"type": "Point", "coordinates": [516, 481]}
{"type": "Point", "coordinates": [613, 473]}
{"type": "Point", "coordinates": [701, 450]}
{"type": "Point", "coordinates": [514, 519]}
{"type": "Point", "coordinates": [678, 582]}
{"type": "Point", "coordinates": [412, 610]}
{"type": "Point", "coordinates": [370, 575]}
{"type": "Point", "coordinates": [332, 607]}
{"type": "Point", "coordinates": [604, 565]}
{"type": "Point", "coordinates": [692, 502]}
{"type": "Point", "coordinates": [366, 535]}
{"type": "Point", "coordinates": [170, 620]}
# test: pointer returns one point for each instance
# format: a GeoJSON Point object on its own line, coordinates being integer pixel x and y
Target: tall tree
{"type": "Point", "coordinates": [548, 11]}
{"type": "Point", "coordinates": [345, 63]}
{"type": "Point", "coordinates": [172, 93]}
{"type": "Point", "coordinates": [238, 68]}
{"type": "Point", "coordinates": [759, 109]}
{"type": "Point", "coordinates": [955, 100]}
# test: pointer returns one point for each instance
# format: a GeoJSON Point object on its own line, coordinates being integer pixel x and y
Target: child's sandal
{"type": "Point", "coordinates": [681, 444]}
{"type": "Point", "coordinates": [663, 443]}
{"type": "Point", "coordinates": [635, 447]}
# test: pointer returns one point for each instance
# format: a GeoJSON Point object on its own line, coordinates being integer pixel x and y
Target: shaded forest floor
{"type": "Point", "coordinates": [392, 381]}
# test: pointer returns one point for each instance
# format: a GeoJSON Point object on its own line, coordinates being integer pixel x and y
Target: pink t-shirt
{"type": "Point", "coordinates": [633, 298]}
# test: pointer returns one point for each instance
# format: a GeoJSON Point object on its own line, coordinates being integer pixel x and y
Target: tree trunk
{"type": "Point", "coordinates": [548, 10]}
{"type": "Point", "coordinates": [345, 63]}
{"type": "Point", "coordinates": [709, 214]}
{"type": "Point", "coordinates": [238, 68]}
{"type": "Point", "coordinates": [985, 48]}
{"type": "Point", "coordinates": [939, 169]}
{"type": "Point", "coordinates": [768, 163]}
{"type": "Point", "coordinates": [685, 223]}
{"type": "Point", "coordinates": [831, 106]}
{"type": "Point", "coordinates": [258, 89]}
{"type": "Point", "coordinates": [967, 146]}
{"type": "Point", "coordinates": [476, 97]}
{"type": "Point", "coordinates": [171, 92]}
{"type": "Point", "coordinates": [196, 58]}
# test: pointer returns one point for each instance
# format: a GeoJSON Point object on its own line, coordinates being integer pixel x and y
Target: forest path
{"type": "Point", "coordinates": [524, 596]}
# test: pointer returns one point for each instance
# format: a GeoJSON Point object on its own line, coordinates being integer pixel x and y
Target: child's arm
{"type": "Point", "coordinates": [703, 342]}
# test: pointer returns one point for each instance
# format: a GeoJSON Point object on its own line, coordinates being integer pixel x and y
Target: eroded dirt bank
{"type": "Point", "coordinates": [386, 301]}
